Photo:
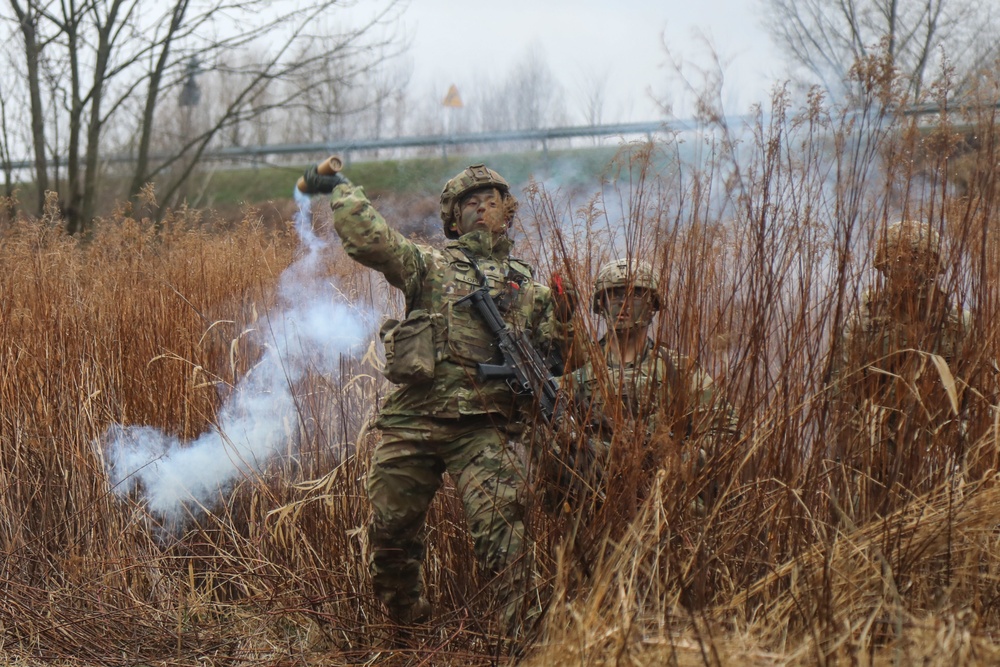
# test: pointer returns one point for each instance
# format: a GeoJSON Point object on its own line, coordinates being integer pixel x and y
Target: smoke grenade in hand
{"type": "Point", "coordinates": [328, 167]}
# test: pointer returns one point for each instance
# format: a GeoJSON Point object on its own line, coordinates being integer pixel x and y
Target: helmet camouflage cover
{"type": "Point", "coordinates": [476, 177]}
{"type": "Point", "coordinates": [628, 274]}
{"type": "Point", "coordinates": [920, 241]}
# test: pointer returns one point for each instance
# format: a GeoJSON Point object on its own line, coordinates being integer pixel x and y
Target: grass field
{"type": "Point", "coordinates": [763, 250]}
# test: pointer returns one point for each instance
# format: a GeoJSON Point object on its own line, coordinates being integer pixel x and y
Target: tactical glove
{"type": "Point", "coordinates": [564, 296]}
{"type": "Point", "coordinates": [317, 183]}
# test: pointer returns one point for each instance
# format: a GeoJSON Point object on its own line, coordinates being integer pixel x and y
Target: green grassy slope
{"type": "Point", "coordinates": [410, 176]}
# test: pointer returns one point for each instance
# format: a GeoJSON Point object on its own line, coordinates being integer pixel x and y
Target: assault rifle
{"type": "Point", "coordinates": [527, 373]}
{"type": "Point", "coordinates": [523, 368]}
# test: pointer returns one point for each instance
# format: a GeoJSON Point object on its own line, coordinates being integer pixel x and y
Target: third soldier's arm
{"type": "Point", "coordinates": [368, 239]}
{"type": "Point", "coordinates": [710, 419]}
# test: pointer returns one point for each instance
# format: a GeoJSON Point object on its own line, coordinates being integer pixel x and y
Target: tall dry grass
{"type": "Point", "coordinates": [765, 248]}
{"type": "Point", "coordinates": [762, 240]}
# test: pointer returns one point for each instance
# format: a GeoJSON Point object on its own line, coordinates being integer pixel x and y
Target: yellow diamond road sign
{"type": "Point", "coordinates": [452, 99]}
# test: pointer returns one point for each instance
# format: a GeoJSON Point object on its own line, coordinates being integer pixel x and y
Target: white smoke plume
{"type": "Point", "coordinates": [309, 329]}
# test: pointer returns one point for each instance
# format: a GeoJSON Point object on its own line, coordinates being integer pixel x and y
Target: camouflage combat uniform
{"type": "Point", "coordinates": [900, 416]}
{"type": "Point", "coordinates": [903, 429]}
{"type": "Point", "coordinates": [662, 395]}
{"type": "Point", "coordinates": [664, 389]}
{"type": "Point", "coordinates": [451, 422]}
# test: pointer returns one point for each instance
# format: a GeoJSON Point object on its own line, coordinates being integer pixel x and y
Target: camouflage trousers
{"type": "Point", "coordinates": [406, 471]}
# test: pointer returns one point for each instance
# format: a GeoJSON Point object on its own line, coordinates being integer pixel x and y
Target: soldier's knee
{"type": "Point", "coordinates": [497, 536]}
{"type": "Point", "coordinates": [501, 508]}
{"type": "Point", "coordinates": [397, 523]}
{"type": "Point", "coordinates": [497, 552]}
{"type": "Point", "coordinates": [397, 512]}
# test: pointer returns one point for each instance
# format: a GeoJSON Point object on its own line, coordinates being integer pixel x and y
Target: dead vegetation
{"type": "Point", "coordinates": [763, 251]}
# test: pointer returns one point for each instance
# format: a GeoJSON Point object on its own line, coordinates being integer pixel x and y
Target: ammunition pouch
{"type": "Point", "coordinates": [410, 349]}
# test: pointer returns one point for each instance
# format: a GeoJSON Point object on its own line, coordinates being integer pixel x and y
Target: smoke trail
{"type": "Point", "coordinates": [307, 331]}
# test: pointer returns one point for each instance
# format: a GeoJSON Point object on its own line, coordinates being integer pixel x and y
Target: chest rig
{"type": "Point", "coordinates": [637, 384]}
{"type": "Point", "coordinates": [509, 283]}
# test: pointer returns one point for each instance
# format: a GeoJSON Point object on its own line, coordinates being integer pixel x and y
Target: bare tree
{"type": "Point", "coordinates": [350, 97]}
{"type": "Point", "coordinates": [6, 161]}
{"type": "Point", "coordinates": [491, 104]}
{"type": "Point", "coordinates": [6, 135]}
{"type": "Point", "coordinates": [96, 64]}
{"type": "Point", "coordinates": [28, 16]}
{"type": "Point", "coordinates": [826, 37]}
{"type": "Point", "coordinates": [386, 100]}
{"type": "Point", "coordinates": [536, 97]}
{"type": "Point", "coordinates": [164, 35]}
{"type": "Point", "coordinates": [530, 97]}
{"type": "Point", "coordinates": [592, 95]}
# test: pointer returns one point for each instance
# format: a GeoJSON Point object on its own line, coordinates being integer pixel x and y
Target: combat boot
{"type": "Point", "coordinates": [415, 614]}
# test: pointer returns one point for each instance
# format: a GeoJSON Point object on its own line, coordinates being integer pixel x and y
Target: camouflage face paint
{"type": "Point", "coordinates": [481, 209]}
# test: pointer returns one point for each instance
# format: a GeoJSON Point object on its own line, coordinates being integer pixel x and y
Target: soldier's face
{"type": "Point", "coordinates": [627, 308]}
{"type": "Point", "coordinates": [909, 268]}
{"type": "Point", "coordinates": [481, 210]}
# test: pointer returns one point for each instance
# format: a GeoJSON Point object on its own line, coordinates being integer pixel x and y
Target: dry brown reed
{"type": "Point", "coordinates": [767, 252]}
{"type": "Point", "coordinates": [762, 242]}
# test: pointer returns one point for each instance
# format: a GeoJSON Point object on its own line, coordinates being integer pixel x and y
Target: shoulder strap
{"type": "Point", "coordinates": [521, 267]}
{"type": "Point", "coordinates": [475, 267]}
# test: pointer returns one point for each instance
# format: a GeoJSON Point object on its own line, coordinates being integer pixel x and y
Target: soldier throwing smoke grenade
{"type": "Point", "coordinates": [442, 418]}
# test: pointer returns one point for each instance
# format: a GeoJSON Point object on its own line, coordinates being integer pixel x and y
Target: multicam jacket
{"type": "Point", "coordinates": [664, 388]}
{"type": "Point", "coordinates": [435, 280]}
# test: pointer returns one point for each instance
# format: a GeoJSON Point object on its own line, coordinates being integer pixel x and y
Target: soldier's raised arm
{"type": "Point", "coordinates": [369, 239]}
{"type": "Point", "coordinates": [366, 236]}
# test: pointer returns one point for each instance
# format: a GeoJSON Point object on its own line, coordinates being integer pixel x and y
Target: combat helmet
{"type": "Point", "coordinates": [919, 238]}
{"type": "Point", "coordinates": [625, 273]}
{"type": "Point", "coordinates": [476, 177]}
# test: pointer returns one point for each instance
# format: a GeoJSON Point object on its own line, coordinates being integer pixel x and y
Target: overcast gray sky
{"type": "Point", "coordinates": [456, 42]}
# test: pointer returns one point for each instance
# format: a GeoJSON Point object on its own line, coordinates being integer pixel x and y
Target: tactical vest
{"type": "Point", "coordinates": [466, 340]}
{"type": "Point", "coordinates": [637, 384]}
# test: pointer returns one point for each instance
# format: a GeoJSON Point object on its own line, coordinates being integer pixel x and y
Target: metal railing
{"type": "Point", "coordinates": [442, 141]}
{"type": "Point", "coordinates": [446, 141]}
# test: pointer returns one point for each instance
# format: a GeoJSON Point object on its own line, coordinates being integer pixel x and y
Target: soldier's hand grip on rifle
{"type": "Point", "coordinates": [322, 178]}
